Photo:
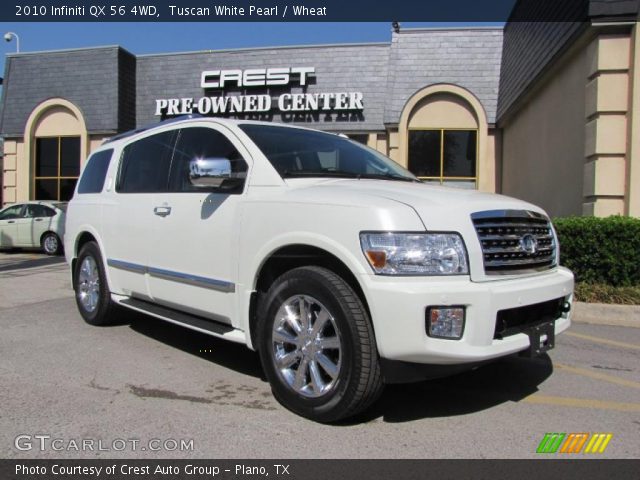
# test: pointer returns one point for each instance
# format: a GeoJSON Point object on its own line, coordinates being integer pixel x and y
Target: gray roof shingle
{"type": "Point", "coordinates": [531, 47]}
{"type": "Point", "coordinates": [88, 78]}
{"type": "Point", "coordinates": [469, 58]}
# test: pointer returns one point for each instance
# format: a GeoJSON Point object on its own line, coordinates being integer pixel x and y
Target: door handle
{"type": "Point", "coordinates": [11, 221]}
{"type": "Point", "coordinates": [162, 211]}
{"type": "Point", "coordinates": [38, 220]}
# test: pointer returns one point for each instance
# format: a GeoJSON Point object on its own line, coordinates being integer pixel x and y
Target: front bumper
{"type": "Point", "coordinates": [398, 306]}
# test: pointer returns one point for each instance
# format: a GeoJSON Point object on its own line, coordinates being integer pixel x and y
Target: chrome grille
{"type": "Point", "coordinates": [515, 241]}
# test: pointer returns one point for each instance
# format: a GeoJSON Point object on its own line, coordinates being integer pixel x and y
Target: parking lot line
{"type": "Point", "coordinates": [597, 375]}
{"type": "Point", "coordinates": [603, 340]}
{"type": "Point", "coordinates": [582, 403]}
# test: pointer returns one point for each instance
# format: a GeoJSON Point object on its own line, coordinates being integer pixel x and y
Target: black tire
{"type": "Point", "coordinates": [102, 312]}
{"type": "Point", "coordinates": [51, 244]}
{"type": "Point", "coordinates": [358, 382]}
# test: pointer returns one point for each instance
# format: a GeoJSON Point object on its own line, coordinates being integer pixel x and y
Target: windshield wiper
{"type": "Point", "coordinates": [387, 176]}
{"type": "Point", "coordinates": [344, 174]}
{"type": "Point", "coordinates": [323, 173]}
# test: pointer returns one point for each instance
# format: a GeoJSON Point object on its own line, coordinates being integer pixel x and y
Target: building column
{"type": "Point", "coordinates": [633, 162]}
{"type": "Point", "coordinates": [392, 147]}
{"type": "Point", "coordinates": [606, 107]}
{"type": "Point", "coordinates": [9, 172]}
{"type": "Point", "coordinates": [372, 140]}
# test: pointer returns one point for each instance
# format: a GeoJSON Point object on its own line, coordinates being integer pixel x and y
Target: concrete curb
{"type": "Point", "coordinates": [604, 314]}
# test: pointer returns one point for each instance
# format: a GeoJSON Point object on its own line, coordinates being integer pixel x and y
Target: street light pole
{"type": "Point", "coordinates": [9, 36]}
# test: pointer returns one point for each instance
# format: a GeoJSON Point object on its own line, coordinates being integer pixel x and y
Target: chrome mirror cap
{"type": "Point", "coordinates": [209, 172]}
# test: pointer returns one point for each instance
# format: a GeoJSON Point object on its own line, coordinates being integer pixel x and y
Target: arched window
{"type": "Point", "coordinates": [443, 141]}
{"type": "Point", "coordinates": [443, 130]}
{"type": "Point", "coordinates": [57, 144]}
{"type": "Point", "coordinates": [57, 167]}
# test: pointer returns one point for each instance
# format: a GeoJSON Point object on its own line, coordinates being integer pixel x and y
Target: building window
{"type": "Point", "coordinates": [362, 138]}
{"type": "Point", "coordinates": [57, 167]}
{"type": "Point", "coordinates": [444, 156]}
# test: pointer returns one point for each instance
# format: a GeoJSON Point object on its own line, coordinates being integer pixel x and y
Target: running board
{"type": "Point", "coordinates": [194, 322]}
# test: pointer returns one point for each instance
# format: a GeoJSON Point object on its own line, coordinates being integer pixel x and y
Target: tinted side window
{"type": "Point", "coordinates": [11, 212]}
{"type": "Point", "coordinates": [201, 142]}
{"type": "Point", "coordinates": [145, 164]}
{"type": "Point", "coordinates": [95, 172]}
{"type": "Point", "coordinates": [38, 211]}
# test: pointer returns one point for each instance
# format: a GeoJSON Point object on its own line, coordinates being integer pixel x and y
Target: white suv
{"type": "Point", "coordinates": [340, 267]}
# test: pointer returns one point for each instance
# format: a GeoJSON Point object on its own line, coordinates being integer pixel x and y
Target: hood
{"type": "Point", "coordinates": [437, 206]}
{"type": "Point", "coordinates": [440, 209]}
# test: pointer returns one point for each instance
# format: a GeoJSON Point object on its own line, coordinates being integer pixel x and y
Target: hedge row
{"type": "Point", "coordinates": [601, 250]}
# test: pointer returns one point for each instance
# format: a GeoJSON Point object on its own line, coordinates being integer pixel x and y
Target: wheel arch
{"type": "Point", "coordinates": [292, 255]}
{"type": "Point", "coordinates": [84, 236]}
{"type": "Point", "coordinates": [81, 240]}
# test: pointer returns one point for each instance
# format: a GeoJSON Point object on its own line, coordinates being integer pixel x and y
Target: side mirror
{"type": "Point", "coordinates": [209, 172]}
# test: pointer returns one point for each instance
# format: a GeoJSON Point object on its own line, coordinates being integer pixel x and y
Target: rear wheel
{"type": "Point", "coordinates": [317, 346]}
{"type": "Point", "coordinates": [92, 292]}
{"type": "Point", "coordinates": [51, 243]}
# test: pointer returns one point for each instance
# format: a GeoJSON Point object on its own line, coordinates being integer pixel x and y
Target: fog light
{"type": "Point", "coordinates": [445, 322]}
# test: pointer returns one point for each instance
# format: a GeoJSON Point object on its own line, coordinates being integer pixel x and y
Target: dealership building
{"type": "Point", "coordinates": [544, 111]}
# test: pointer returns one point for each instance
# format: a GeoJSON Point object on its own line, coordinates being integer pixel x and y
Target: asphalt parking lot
{"type": "Point", "coordinates": [145, 379]}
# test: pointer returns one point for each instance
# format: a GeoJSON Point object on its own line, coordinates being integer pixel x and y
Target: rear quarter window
{"type": "Point", "coordinates": [93, 176]}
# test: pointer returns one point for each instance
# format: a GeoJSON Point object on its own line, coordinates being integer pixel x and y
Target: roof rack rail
{"type": "Point", "coordinates": [129, 133]}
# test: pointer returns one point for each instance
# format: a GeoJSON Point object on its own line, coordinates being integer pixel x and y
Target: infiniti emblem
{"type": "Point", "coordinates": [529, 244]}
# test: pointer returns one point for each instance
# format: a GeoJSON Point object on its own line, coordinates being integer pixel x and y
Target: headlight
{"type": "Point", "coordinates": [415, 253]}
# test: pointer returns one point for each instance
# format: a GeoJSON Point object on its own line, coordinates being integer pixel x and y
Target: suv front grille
{"type": "Point", "coordinates": [515, 241]}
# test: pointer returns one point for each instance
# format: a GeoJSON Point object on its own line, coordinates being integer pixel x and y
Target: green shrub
{"type": "Point", "coordinates": [601, 250]}
{"type": "Point", "coordinates": [600, 293]}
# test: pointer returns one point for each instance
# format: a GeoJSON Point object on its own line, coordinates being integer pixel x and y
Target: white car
{"type": "Point", "coordinates": [340, 267]}
{"type": "Point", "coordinates": [33, 225]}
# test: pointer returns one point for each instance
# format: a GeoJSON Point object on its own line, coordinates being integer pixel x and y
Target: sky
{"type": "Point", "coordinates": [141, 38]}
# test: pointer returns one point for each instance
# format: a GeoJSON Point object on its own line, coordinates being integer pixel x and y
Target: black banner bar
{"type": "Point", "coordinates": [252, 10]}
{"type": "Point", "coordinates": [311, 10]}
{"type": "Point", "coordinates": [278, 469]}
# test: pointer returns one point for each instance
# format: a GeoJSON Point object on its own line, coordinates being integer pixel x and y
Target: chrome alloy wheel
{"type": "Point", "coordinates": [89, 284]}
{"type": "Point", "coordinates": [306, 346]}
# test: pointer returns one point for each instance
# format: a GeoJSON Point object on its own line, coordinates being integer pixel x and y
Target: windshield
{"type": "Point", "coordinates": [295, 152]}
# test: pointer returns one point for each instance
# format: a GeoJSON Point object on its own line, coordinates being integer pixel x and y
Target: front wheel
{"type": "Point", "coordinates": [317, 345]}
{"type": "Point", "coordinates": [90, 283]}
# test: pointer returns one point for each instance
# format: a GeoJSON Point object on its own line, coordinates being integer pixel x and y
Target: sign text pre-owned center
{"type": "Point", "coordinates": [218, 80]}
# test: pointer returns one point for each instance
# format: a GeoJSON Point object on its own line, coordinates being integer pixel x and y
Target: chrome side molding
{"type": "Point", "coordinates": [179, 277]}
